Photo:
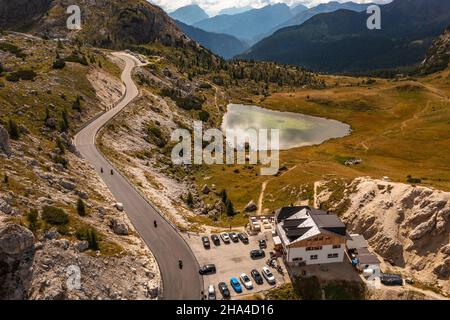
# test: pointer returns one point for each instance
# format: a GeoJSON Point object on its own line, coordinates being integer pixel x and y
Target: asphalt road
{"type": "Point", "coordinates": [164, 241]}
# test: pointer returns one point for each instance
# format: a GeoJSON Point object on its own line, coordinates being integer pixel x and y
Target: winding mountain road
{"type": "Point", "coordinates": [164, 241]}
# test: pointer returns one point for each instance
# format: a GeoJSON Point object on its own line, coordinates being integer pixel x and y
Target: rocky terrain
{"type": "Point", "coordinates": [105, 23]}
{"type": "Point", "coordinates": [56, 215]}
{"type": "Point", "coordinates": [408, 226]}
{"type": "Point", "coordinates": [438, 56]}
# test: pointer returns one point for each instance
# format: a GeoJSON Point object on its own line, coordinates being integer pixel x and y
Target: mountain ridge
{"type": "Point", "coordinates": [189, 14]}
{"type": "Point", "coordinates": [340, 42]}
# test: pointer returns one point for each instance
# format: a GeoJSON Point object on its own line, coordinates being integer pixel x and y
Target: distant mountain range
{"type": "Point", "coordinates": [223, 45]}
{"type": "Point", "coordinates": [250, 25]}
{"type": "Point", "coordinates": [189, 14]}
{"type": "Point", "coordinates": [303, 15]}
{"type": "Point", "coordinates": [235, 10]}
{"type": "Point", "coordinates": [340, 41]}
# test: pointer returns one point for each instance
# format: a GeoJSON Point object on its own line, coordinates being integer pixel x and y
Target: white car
{"type": "Point", "coordinates": [248, 284]}
{"type": "Point", "coordinates": [268, 275]}
{"type": "Point", "coordinates": [225, 237]}
{"type": "Point", "coordinates": [211, 292]}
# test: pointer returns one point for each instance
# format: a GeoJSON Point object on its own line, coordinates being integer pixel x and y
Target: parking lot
{"type": "Point", "coordinates": [231, 260]}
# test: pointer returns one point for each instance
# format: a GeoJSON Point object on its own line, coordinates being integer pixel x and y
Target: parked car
{"type": "Point", "coordinates": [257, 254]}
{"type": "Point", "coordinates": [268, 275]}
{"type": "Point", "coordinates": [211, 292]}
{"type": "Point", "coordinates": [257, 277]}
{"type": "Point", "coordinates": [225, 238]}
{"type": "Point", "coordinates": [243, 237]}
{"type": "Point", "coordinates": [236, 285]}
{"type": "Point", "coordinates": [234, 237]}
{"type": "Point", "coordinates": [215, 239]}
{"type": "Point", "coordinates": [223, 288]}
{"type": "Point", "coordinates": [207, 269]}
{"type": "Point", "coordinates": [262, 244]}
{"type": "Point", "coordinates": [248, 284]}
{"type": "Point", "coordinates": [206, 242]}
{"type": "Point", "coordinates": [391, 279]}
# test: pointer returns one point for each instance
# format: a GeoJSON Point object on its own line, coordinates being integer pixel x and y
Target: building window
{"type": "Point", "coordinates": [337, 246]}
{"type": "Point", "coordinates": [314, 257]}
{"type": "Point", "coordinates": [313, 248]}
{"type": "Point", "coordinates": [297, 259]}
{"type": "Point", "coordinates": [333, 256]}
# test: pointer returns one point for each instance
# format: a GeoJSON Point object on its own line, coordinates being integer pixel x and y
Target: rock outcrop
{"type": "Point", "coordinates": [408, 226]}
{"type": "Point", "coordinates": [16, 259]}
{"type": "Point", "coordinates": [5, 147]}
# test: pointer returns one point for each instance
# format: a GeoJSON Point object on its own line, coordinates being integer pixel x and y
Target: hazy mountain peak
{"type": "Point", "coordinates": [189, 14]}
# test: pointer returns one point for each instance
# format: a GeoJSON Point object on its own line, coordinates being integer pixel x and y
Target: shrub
{"type": "Point", "coordinates": [308, 288]}
{"type": "Point", "coordinates": [90, 235]}
{"type": "Point", "coordinates": [190, 200]}
{"type": "Point", "coordinates": [62, 161]}
{"type": "Point", "coordinates": [9, 47]}
{"type": "Point", "coordinates": [59, 64]}
{"type": "Point", "coordinates": [54, 216]}
{"type": "Point", "coordinates": [77, 59]}
{"type": "Point", "coordinates": [21, 75]}
{"type": "Point", "coordinates": [203, 116]}
{"type": "Point", "coordinates": [32, 218]}
{"type": "Point", "coordinates": [77, 104]}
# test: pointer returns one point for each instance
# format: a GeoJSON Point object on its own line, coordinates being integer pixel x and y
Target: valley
{"type": "Point", "coordinates": [90, 189]}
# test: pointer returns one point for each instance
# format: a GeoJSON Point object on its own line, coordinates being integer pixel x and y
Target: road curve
{"type": "Point", "coordinates": [164, 241]}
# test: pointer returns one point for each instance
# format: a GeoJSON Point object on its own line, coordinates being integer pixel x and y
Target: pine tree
{"type": "Point", "coordinates": [224, 196]}
{"type": "Point", "coordinates": [230, 209]}
{"type": "Point", "coordinates": [93, 240]}
{"type": "Point", "coordinates": [14, 132]}
{"type": "Point", "coordinates": [64, 124]}
{"type": "Point", "coordinates": [81, 208]}
{"type": "Point", "coordinates": [190, 199]}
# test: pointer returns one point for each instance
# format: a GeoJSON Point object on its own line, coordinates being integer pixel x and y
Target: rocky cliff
{"type": "Point", "coordinates": [408, 226]}
{"type": "Point", "coordinates": [438, 56]}
{"type": "Point", "coordinates": [104, 23]}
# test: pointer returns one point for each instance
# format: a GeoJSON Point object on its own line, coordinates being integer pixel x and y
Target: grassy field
{"type": "Point", "coordinates": [400, 129]}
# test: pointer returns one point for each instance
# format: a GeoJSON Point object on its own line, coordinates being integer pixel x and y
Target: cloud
{"type": "Point", "coordinates": [214, 6]}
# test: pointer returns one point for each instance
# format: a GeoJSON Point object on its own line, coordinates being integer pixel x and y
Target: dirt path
{"type": "Point", "coordinates": [259, 212]}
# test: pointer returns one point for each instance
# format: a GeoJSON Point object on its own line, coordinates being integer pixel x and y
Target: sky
{"type": "Point", "coordinates": [212, 7]}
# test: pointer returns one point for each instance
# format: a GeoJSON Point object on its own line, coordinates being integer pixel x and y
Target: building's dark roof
{"type": "Point", "coordinates": [329, 222]}
{"type": "Point", "coordinates": [367, 257]}
{"type": "Point", "coordinates": [326, 222]}
{"type": "Point", "coordinates": [294, 233]}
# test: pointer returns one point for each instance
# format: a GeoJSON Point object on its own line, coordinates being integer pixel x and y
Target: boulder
{"type": "Point", "coordinates": [51, 123]}
{"type": "Point", "coordinates": [251, 207]}
{"type": "Point", "coordinates": [68, 185]}
{"type": "Point", "coordinates": [442, 271]}
{"type": "Point", "coordinates": [51, 234]}
{"type": "Point", "coordinates": [5, 207]}
{"type": "Point", "coordinates": [446, 250]}
{"type": "Point", "coordinates": [15, 239]}
{"type": "Point", "coordinates": [82, 246]}
{"type": "Point", "coordinates": [5, 146]}
{"type": "Point", "coordinates": [119, 227]}
{"type": "Point", "coordinates": [205, 189]}
{"type": "Point", "coordinates": [83, 195]}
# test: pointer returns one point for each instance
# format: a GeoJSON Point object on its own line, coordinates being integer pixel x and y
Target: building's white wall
{"type": "Point", "coordinates": [322, 255]}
